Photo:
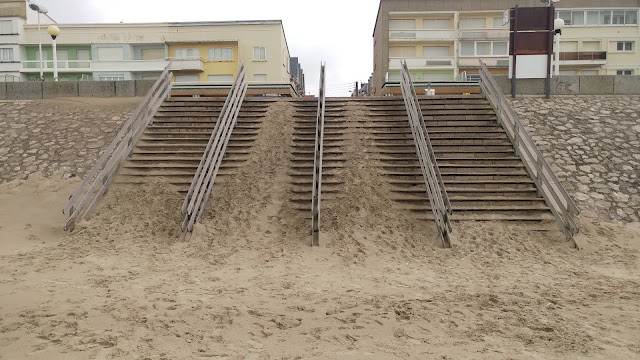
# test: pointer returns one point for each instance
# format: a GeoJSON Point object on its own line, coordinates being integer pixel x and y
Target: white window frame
{"type": "Point", "coordinates": [624, 72]}
{"type": "Point", "coordinates": [625, 48]}
{"type": "Point", "coordinates": [6, 55]}
{"type": "Point", "coordinates": [262, 53]}
{"type": "Point", "coordinates": [402, 26]}
{"type": "Point", "coordinates": [567, 16]}
{"type": "Point", "coordinates": [475, 49]}
{"type": "Point", "coordinates": [484, 26]}
{"type": "Point", "coordinates": [178, 54]}
{"type": "Point", "coordinates": [221, 54]}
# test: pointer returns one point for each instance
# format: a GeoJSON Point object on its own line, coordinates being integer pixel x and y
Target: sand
{"type": "Point", "coordinates": [247, 284]}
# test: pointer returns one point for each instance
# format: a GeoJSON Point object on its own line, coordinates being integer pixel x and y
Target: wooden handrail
{"type": "Point", "coordinates": [202, 184]}
{"type": "Point", "coordinates": [97, 181]}
{"type": "Point", "coordinates": [317, 162]}
{"type": "Point", "coordinates": [436, 191]}
{"type": "Point", "coordinates": [555, 195]}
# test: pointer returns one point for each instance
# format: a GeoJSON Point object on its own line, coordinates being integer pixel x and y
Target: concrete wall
{"type": "Point", "coordinates": [574, 85]}
{"type": "Point", "coordinates": [49, 90]}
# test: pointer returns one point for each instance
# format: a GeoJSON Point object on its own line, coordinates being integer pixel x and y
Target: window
{"type": "Point", "coordinates": [436, 52]}
{"type": "Point", "coordinates": [259, 53]}
{"type": "Point", "coordinates": [6, 27]}
{"type": "Point", "coordinates": [589, 72]}
{"type": "Point", "coordinates": [63, 58]}
{"type": "Point", "coordinates": [564, 15]}
{"type": "Point", "coordinates": [112, 77]}
{"type": "Point", "coordinates": [402, 24]}
{"type": "Point", "coordinates": [474, 23]}
{"type": "Point", "coordinates": [84, 57]}
{"type": "Point", "coordinates": [598, 17]}
{"type": "Point", "coordinates": [624, 72]}
{"type": "Point", "coordinates": [152, 54]}
{"type": "Point", "coordinates": [220, 78]}
{"type": "Point", "coordinates": [220, 54]}
{"type": "Point", "coordinates": [187, 78]}
{"type": "Point", "coordinates": [402, 52]}
{"type": "Point", "coordinates": [625, 46]}
{"type": "Point", "coordinates": [262, 78]}
{"type": "Point", "coordinates": [437, 24]}
{"type": "Point", "coordinates": [484, 48]}
{"type": "Point", "coordinates": [187, 53]}
{"type": "Point", "coordinates": [497, 23]}
{"type": "Point", "coordinates": [110, 54]}
{"type": "Point", "coordinates": [6, 55]}
{"type": "Point", "coordinates": [568, 72]}
{"type": "Point", "coordinates": [591, 45]}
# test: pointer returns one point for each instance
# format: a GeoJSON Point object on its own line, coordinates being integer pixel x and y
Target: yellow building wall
{"type": "Point", "coordinates": [210, 67]}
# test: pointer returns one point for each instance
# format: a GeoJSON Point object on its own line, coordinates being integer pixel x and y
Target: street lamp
{"type": "Point", "coordinates": [54, 31]}
{"type": "Point", "coordinates": [558, 24]}
{"type": "Point", "coordinates": [41, 10]}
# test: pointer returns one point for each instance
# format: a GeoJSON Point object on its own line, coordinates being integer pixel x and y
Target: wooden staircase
{"type": "Point", "coordinates": [173, 145]}
{"type": "Point", "coordinates": [483, 176]}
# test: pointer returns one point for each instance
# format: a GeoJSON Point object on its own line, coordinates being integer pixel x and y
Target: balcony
{"type": "Point", "coordinates": [491, 62]}
{"type": "Point", "coordinates": [186, 65]}
{"type": "Point", "coordinates": [422, 63]}
{"type": "Point", "coordinates": [130, 65]}
{"type": "Point", "coordinates": [412, 35]}
{"type": "Point", "coordinates": [484, 34]}
{"type": "Point", "coordinates": [595, 58]}
{"type": "Point", "coordinates": [33, 66]}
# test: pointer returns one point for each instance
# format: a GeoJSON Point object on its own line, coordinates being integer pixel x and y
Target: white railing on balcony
{"type": "Point", "coordinates": [484, 34]}
{"type": "Point", "coordinates": [66, 65]}
{"type": "Point", "coordinates": [423, 63]}
{"type": "Point", "coordinates": [422, 34]}
{"type": "Point", "coordinates": [131, 65]}
{"type": "Point", "coordinates": [489, 61]}
{"type": "Point", "coordinates": [186, 64]}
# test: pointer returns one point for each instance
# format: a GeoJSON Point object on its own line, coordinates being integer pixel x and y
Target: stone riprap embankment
{"type": "Point", "coordinates": [593, 143]}
{"type": "Point", "coordinates": [62, 135]}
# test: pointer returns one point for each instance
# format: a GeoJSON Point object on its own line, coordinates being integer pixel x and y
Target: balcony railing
{"type": "Point", "coordinates": [437, 35]}
{"type": "Point", "coordinates": [186, 64]}
{"type": "Point", "coordinates": [484, 34]}
{"type": "Point", "coordinates": [489, 61]}
{"type": "Point", "coordinates": [422, 63]}
{"type": "Point", "coordinates": [131, 65]}
{"type": "Point", "coordinates": [65, 65]}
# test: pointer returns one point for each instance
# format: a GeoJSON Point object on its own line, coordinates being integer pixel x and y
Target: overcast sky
{"type": "Point", "coordinates": [315, 30]}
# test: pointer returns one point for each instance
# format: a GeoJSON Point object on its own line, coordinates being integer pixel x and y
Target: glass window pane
{"type": "Point", "coordinates": [577, 18]}
{"type": "Point", "coordinates": [631, 17]}
{"type": "Point", "coordinates": [435, 24]}
{"type": "Point", "coordinates": [497, 23]}
{"type": "Point", "coordinates": [566, 16]}
{"type": "Point", "coordinates": [484, 48]}
{"type": "Point", "coordinates": [467, 49]}
{"type": "Point", "coordinates": [593, 17]}
{"type": "Point", "coordinates": [500, 48]}
{"type": "Point", "coordinates": [605, 17]}
{"type": "Point", "coordinates": [618, 17]}
{"type": "Point", "coordinates": [402, 24]}
{"type": "Point", "coordinates": [475, 23]}
{"type": "Point", "coordinates": [436, 51]}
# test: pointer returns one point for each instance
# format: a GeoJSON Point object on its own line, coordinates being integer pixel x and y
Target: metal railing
{"type": "Point", "coordinates": [202, 183]}
{"type": "Point", "coordinates": [440, 204]}
{"type": "Point", "coordinates": [558, 200]}
{"type": "Point", "coordinates": [96, 183]}
{"type": "Point", "coordinates": [317, 162]}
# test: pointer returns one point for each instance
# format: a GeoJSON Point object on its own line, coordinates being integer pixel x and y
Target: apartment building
{"type": "Point", "coordinates": [194, 51]}
{"type": "Point", "coordinates": [442, 40]}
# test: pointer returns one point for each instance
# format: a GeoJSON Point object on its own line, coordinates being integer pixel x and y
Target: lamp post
{"type": "Point", "coordinates": [54, 31]}
{"type": "Point", "coordinates": [558, 24]}
{"type": "Point", "coordinates": [41, 10]}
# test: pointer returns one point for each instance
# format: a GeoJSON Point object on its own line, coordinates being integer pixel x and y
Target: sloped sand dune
{"type": "Point", "coordinates": [247, 284]}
